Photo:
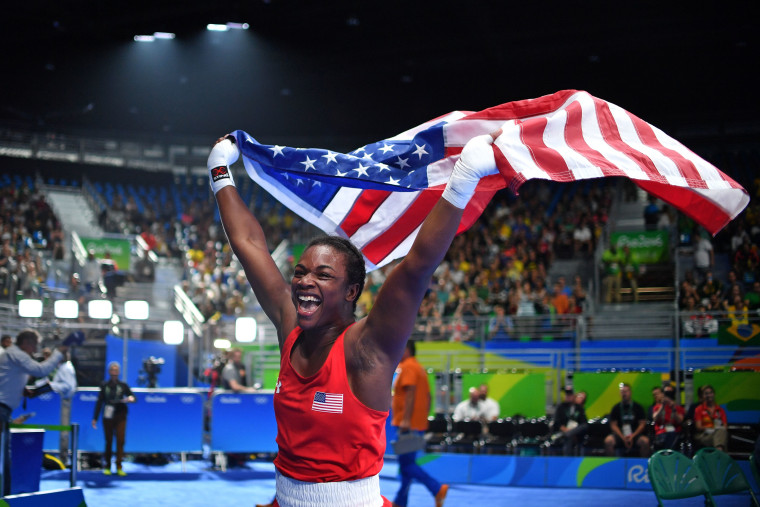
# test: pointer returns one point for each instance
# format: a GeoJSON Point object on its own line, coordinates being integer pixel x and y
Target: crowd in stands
{"type": "Point", "coordinates": [725, 281]}
{"type": "Point", "coordinates": [28, 227]}
{"type": "Point", "coordinates": [502, 261]}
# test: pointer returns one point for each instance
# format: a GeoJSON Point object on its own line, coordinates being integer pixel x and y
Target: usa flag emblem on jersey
{"type": "Point", "coordinates": [327, 402]}
{"type": "Point", "coordinates": [378, 195]}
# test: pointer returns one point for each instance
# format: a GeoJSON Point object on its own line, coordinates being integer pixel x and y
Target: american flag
{"type": "Point", "coordinates": [327, 402]}
{"type": "Point", "coordinates": [379, 194]}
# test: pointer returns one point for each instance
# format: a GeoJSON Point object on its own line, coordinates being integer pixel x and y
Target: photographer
{"type": "Point", "coordinates": [667, 416]}
{"type": "Point", "coordinates": [113, 398]}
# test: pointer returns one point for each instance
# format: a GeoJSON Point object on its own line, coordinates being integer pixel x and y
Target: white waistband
{"type": "Point", "coordinates": [359, 493]}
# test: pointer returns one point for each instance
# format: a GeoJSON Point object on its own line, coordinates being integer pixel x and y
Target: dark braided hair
{"type": "Point", "coordinates": [354, 259]}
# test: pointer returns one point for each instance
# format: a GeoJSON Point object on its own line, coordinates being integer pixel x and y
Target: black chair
{"type": "Point", "coordinates": [593, 441]}
{"type": "Point", "coordinates": [466, 436]}
{"type": "Point", "coordinates": [437, 434]}
{"type": "Point", "coordinates": [532, 434]}
{"type": "Point", "coordinates": [500, 438]}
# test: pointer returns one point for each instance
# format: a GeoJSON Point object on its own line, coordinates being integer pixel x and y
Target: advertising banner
{"type": "Point", "coordinates": [647, 247]}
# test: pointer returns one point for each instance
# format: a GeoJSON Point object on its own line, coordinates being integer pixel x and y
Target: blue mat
{"type": "Point", "coordinates": [199, 485]}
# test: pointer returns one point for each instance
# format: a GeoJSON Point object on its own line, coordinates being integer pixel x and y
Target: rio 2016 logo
{"type": "Point", "coordinates": [638, 474]}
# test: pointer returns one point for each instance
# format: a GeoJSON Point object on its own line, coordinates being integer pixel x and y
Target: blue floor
{"type": "Point", "coordinates": [198, 485]}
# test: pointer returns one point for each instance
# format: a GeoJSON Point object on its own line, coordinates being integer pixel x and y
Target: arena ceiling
{"type": "Point", "coordinates": [361, 70]}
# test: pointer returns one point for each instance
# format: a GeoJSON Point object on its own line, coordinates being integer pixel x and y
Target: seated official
{"type": "Point", "coordinates": [628, 422]}
{"type": "Point", "coordinates": [667, 416]}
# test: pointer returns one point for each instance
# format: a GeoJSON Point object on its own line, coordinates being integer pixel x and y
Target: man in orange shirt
{"type": "Point", "coordinates": [410, 407]}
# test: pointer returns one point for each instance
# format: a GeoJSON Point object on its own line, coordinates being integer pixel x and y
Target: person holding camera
{"type": "Point", "coordinates": [667, 416]}
{"type": "Point", "coordinates": [113, 398]}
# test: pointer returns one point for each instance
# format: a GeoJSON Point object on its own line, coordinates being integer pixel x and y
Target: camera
{"type": "Point", "coordinates": [150, 371]}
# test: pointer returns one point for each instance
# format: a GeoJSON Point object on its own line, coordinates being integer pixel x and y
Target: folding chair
{"type": "Point", "coordinates": [674, 476]}
{"type": "Point", "coordinates": [721, 473]}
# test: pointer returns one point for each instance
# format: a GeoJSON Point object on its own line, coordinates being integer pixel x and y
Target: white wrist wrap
{"type": "Point", "coordinates": [222, 155]}
{"type": "Point", "coordinates": [460, 188]}
{"type": "Point", "coordinates": [477, 160]}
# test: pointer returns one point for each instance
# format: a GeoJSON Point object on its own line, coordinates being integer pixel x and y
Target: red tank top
{"type": "Point", "coordinates": [325, 434]}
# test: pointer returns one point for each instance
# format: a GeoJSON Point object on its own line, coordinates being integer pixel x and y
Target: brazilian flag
{"type": "Point", "coordinates": [739, 334]}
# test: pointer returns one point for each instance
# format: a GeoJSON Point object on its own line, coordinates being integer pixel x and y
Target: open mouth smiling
{"type": "Point", "coordinates": [308, 304]}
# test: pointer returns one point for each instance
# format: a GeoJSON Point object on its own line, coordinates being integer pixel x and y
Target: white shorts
{"type": "Point", "coordinates": [359, 493]}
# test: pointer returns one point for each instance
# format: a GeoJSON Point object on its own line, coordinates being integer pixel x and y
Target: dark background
{"type": "Point", "coordinates": [358, 71]}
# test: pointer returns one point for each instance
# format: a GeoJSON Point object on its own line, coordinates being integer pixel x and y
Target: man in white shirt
{"type": "Point", "coordinates": [64, 382]}
{"type": "Point", "coordinates": [491, 408]}
{"type": "Point", "coordinates": [16, 365]}
{"type": "Point", "coordinates": [469, 409]}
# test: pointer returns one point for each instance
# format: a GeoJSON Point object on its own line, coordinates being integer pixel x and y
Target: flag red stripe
{"type": "Point", "coordinates": [685, 166]}
{"type": "Point", "coordinates": [709, 215]}
{"type": "Point", "coordinates": [362, 210]}
{"type": "Point", "coordinates": [612, 136]}
{"type": "Point", "coordinates": [575, 140]}
{"type": "Point", "coordinates": [548, 159]}
{"type": "Point", "coordinates": [383, 244]}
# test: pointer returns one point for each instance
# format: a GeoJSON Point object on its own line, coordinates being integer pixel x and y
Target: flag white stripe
{"type": "Point", "coordinates": [383, 217]}
{"type": "Point", "coordinates": [517, 153]}
{"type": "Point", "coordinates": [341, 204]}
{"type": "Point", "coordinates": [554, 137]}
{"type": "Point", "coordinates": [595, 140]}
{"type": "Point", "coordinates": [628, 133]}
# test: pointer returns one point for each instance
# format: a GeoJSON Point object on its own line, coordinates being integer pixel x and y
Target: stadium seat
{"type": "Point", "coordinates": [437, 434]}
{"type": "Point", "coordinates": [500, 438]}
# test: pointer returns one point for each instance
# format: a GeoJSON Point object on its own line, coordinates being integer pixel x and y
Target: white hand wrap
{"type": "Point", "coordinates": [476, 161]}
{"type": "Point", "coordinates": [222, 155]}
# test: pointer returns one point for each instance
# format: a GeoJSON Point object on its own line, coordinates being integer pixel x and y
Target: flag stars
{"type": "Point", "coordinates": [383, 167]}
{"type": "Point", "coordinates": [391, 181]}
{"type": "Point", "coordinates": [367, 156]}
{"type": "Point", "coordinates": [420, 150]}
{"type": "Point", "coordinates": [402, 162]}
{"type": "Point", "coordinates": [386, 148]}
{"type": "Point", "coordinates": [330, 157]}
{"type": "Point", "coordinates": [362, 170]}
{"type": "Point", "coordinates": [277, 150]}
{"type": "Point", "coordinates": [339, 173]}
{"type": "Point", "coordinates": [308, 164]}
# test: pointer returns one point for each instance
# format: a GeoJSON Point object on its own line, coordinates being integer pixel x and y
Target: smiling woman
{"type": "Point", "coordinates": [335, 372]}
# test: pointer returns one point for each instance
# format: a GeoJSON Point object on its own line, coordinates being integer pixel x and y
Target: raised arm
{"type": "Point", "coordinates": [246, 237]}
{"type": "Point", "coordinates": [392, 317]}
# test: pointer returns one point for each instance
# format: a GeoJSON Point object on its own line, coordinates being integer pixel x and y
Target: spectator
{"type": "Point", "coordinates": [710, 421]}
{"type": "Point", "coordinates": [704, 255]}
{"type": "Point", "coordinates": [628, 422]}
{"type": "Point", "coordinates": [710, 286]}
{"type": "Point", "coordinates": [500, 327]}
{"type": "Point", "coordinates": [570, 422]}
{"type": "Point", "coordinates": [470, 409]}
{"type": "Point", "coordinates": [490, 407]}
{"type": "Point", "coordinates": [651, 214]}
{"type": "Point", "coordinates": [631, 271]}
{"type": "Point", "coordinates": [582, 238]}
{"type": "Point", "coordinates": [667, 416]}
{"type": "Point", "coordinates": [701, 324]}
{"type": "Point", "coordinates": [612, 259]}
{"type": "Point", "coordinates": [560, 299]}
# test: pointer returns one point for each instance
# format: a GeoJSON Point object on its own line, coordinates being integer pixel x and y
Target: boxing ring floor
{"type": "Point", "coordinates": [198, 485]}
